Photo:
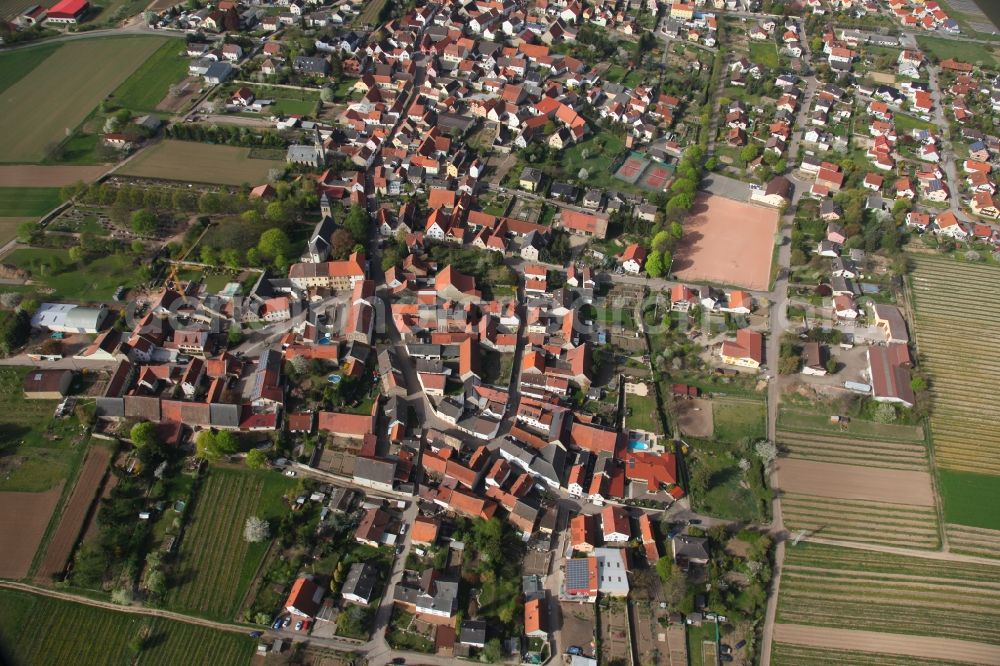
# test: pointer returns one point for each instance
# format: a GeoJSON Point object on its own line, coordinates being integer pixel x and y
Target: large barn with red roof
{"type": "Point", "coordinates": [68, 11]}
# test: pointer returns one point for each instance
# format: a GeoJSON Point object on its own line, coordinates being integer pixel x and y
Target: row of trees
{"type": "Point", "coordinates": [230, 135]}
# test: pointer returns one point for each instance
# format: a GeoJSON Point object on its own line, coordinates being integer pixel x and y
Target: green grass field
{"type": "Point", "coordinates": [28, 201]}
{"type": "Point", "coordinates": [906, 123]}
{"type": "Point", "coordinates": [764, 54]}
{"type": "Point", "coordinates": [149, 84]}
{"type": "Point", "coordinates": [200, 163]}
{"type": "Point", "coordinates": [15, 65]}
{"type": "Point", "coordinates": [645, 415]}
{"type": "Point", "coordinates": [969, 52]}
{"type": "Point", "coordinates": [39, 631]}
{"type": "Point", "coordinates": [817, 421]}
{"type": "Point", "coordinates": [36, 109]}
{"type": "Point", "coordinates": [736, 419]}
{"type": "Point", "coordinates": [37, 451]}
{"type": "Point", "coordinates": [970, 499]}
{"type": "Point", "coordinates": [215, 564]}
{"type": "Point", "coordinates": [93, 280]}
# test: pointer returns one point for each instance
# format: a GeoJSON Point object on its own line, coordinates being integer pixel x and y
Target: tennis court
{"type": "Point", "coordinates": [647, 173]}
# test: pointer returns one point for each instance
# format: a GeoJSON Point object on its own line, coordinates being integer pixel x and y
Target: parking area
{"type": "Point", "coordinates": [726, 187]}
{"type": "Point", "coordinates": [578, 626]}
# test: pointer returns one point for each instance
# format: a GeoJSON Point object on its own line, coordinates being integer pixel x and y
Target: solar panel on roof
{"type": "Point", "coordinates": [577, 576]}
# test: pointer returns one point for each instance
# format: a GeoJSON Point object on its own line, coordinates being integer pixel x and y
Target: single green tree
{"type": "Point", "coordinates": [272, 243]}
{"type": "Point", "coordinates": [143, 434]}
{"type": "Point", "coordinates": [256, 459]}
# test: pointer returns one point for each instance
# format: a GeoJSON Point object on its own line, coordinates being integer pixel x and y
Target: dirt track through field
{"type": "Point", "coordinates": [872, 641]}
{"type": "Point", "coordinates": [71, 522]}
{"type": "Point", "coordinates": [28, 175]}
{"type": "Point", "coordinates": [822, 479]}
{"type": "Point", "coordinates": [23, 519]}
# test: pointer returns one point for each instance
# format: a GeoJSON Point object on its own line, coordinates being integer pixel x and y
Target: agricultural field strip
{"type": "Point", "coordinates": [859, 508]}
{"type": "Point", "coordinates": [949, 312]}
{"type": "Point", "coordinates": [914, 527]}
{"type": "Point", "coordinates": [817, 439]}
{"type": "Point", "coordinates": [787, 424]}
{"type": "Point", "coordinates": [931, 613]}
{"type": "Point", "coordinates": [829, 586]}
{"type": "Point", "coordinates": [796, 655]}
{"type": "Point", "coordinates": [71, 522]}
{"type": "Point", "coordinates": [216, 539]}
{"type": "Point", "coordinates": [861, 454]}
{"type": "Point", "coordinates": [973, 541]}
{"type": "Point", "coordinates": [230, 511]}
{"type": "Point", "coordinates": [67, 74]}
{"type": "Point", "coordinates": [50, 633]}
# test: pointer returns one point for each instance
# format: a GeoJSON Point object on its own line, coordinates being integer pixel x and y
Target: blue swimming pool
{"type": "Point", "coordinates": [334, 378]}
{"type": "Point", "coordinates": [638, 445]}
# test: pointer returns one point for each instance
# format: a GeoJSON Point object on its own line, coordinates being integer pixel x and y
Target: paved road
{"type": "Point", "coordinates": [947, 163]}
{"type": "Point", "coordinates": [779, 301]}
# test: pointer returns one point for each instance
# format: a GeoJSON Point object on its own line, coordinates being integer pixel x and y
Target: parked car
{"type": "Point", "coordinates": [574, 650]}
{"type": "Point", "coordinates": [256, 634]}
{"type": "Point", "coordinates": [288, 621]}
{"type": "Point", "coordinates": [289, 472]}
{"type": "Point", "coordinates": [298, 626]}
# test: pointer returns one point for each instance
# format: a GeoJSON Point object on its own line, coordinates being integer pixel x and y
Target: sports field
{"type": "Point", "coordinates": [40, 631]}
{"type": "Point", "coordinates": [200, 163]}
{"type": "Point", "coordinates": [727, 242]}
{"type": "Point", "coordinates": [47, 103]}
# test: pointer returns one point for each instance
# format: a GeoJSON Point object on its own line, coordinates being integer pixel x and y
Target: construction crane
{"type": "Point", "coordinates": [173, 281]}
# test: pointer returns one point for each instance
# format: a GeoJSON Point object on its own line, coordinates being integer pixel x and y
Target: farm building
{"type": "Point", "coordinates": [68, 12]}
{"type": "Point", "coordinates": [69, 318]}
{"type": "Point", "coordinates": [47, 384]}
{"type": "Point", "coordinates": [888, 368]}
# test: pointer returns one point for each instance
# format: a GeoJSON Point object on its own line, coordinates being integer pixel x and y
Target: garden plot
{"type": "Point", "coordinates": [951, 324]}
{"type": "Point", "coordinates": [895, 524]}
{"type": "Point", "coordinates": [855, 589]}
{"type": "Point", "coordinates": [614, 632]}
